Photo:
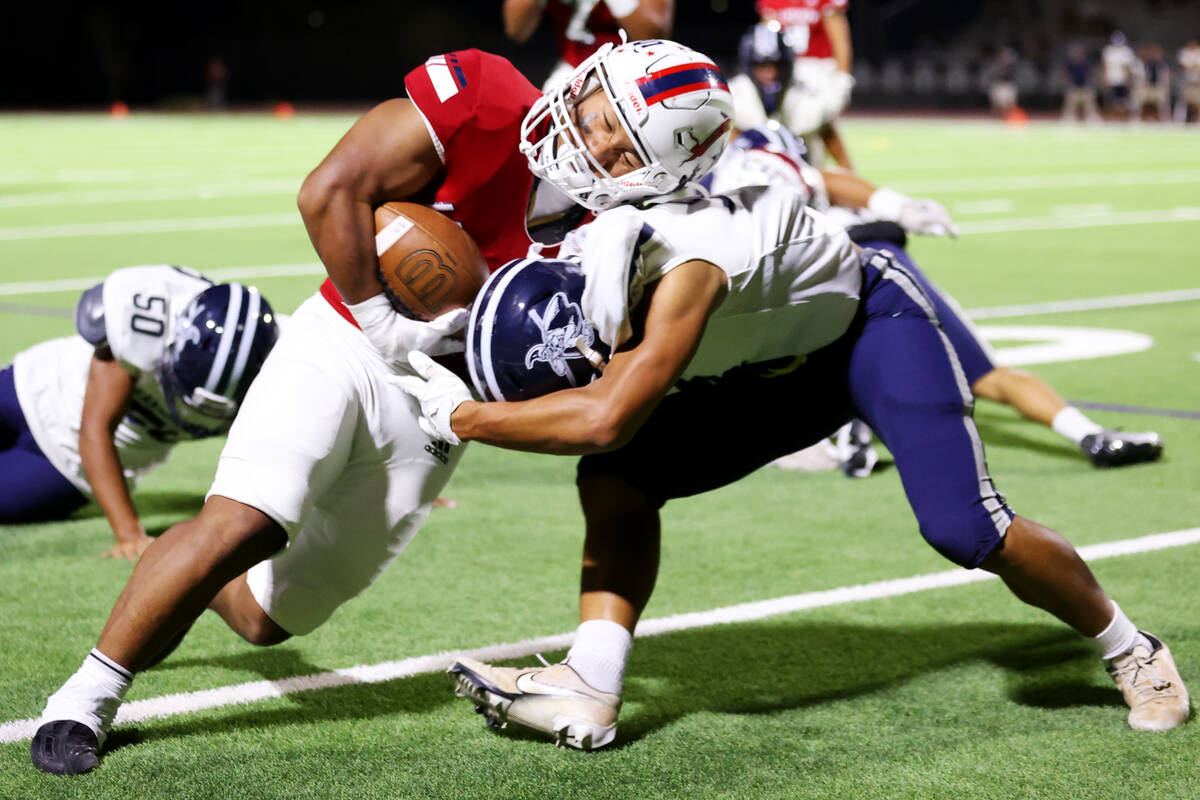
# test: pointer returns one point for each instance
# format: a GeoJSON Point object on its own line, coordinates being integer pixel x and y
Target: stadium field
{"type": "Point", "coordinates": [783, 654]}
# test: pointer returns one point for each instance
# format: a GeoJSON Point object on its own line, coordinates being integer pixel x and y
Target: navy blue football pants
{"type": "Point", "coordinates": [31, 488]}
{"type": "Point", "coordinates": [894, 368]}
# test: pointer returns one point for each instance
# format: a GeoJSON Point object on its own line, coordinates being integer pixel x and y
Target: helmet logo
{"type": "Point", "coordinates": [702, 148]}
{"type": "Point", "coordinates": [561, 325]}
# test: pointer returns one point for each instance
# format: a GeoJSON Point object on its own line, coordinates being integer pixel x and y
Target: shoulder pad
{"type": "Point", "coordinates": [89, 316]}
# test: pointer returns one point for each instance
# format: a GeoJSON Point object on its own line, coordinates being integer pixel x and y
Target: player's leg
{"type": "Point", "coordinates": [906, 381]}
{"type": "Point", "coordinates": [33, 489]}
{"type": "Point", "coordinates": [263, 480]}
{"type": "Point", "coordinates": [1031, 396]}
{"type": "Point", "coordinates": [678, 452]}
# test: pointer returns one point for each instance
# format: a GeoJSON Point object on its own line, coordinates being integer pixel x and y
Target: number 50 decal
{"type": "Point", "coordinates": [145, 323]}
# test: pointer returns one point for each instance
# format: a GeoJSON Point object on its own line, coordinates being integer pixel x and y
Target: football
{"type": "Point", "coordinates": [428, 265]}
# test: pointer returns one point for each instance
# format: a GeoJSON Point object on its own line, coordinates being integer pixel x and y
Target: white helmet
{"type": "Point", "coordinates": [671, 100]}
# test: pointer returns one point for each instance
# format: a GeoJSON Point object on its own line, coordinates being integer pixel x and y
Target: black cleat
{"type": "Point", "coordinates": [65, 747]}
{"type": "Point", "coordinates": [1117, 448]}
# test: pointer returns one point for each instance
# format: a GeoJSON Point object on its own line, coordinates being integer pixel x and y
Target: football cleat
{"type": "Point", "coordinates": [853, 443]}
{"type": "Point", "coordinates": [553, 700]}
{"type": "Point", "coordinates": [1157, 698]}
{"type": "Point", "coordinates": [65, 747]}
{"type": "Point", "coordinates": [1117, 448]}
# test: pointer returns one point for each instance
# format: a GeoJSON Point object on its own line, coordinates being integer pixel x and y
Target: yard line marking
{"type": "Point", "coordinates": [1085, 304]}
{"type": "Point", "coordinates": [1054, 223]}
{"type": "Point", "coordinates": [1051, 181]}
{"type": "Point", "coordinates": [1081, 209]}
{"type": "Point", "coordinates": [188, 702]}
{"type": "Point", "coordinates": [148, 226]}
{"type": "Point", "coordinates": [223, 274]}
{"type": "Point", "coordinates": [241, 189]}
{"type": "Point", "coordinates": [1128, 409]}
{"type": "Point", "coordinates": [37, 311]}
{"type": "Point", "coordinates": [997, 205]}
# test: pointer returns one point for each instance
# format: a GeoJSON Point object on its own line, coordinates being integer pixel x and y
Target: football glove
{"type": "Point", "coordinates": [394, 334]}
{"type": "Point", "coordinates": [437, 390]}
{"type": "Point", "coordinates": [915, 215]}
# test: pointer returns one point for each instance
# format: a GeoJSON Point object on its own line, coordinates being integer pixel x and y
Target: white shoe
{"type": "Point", "coordinates": [553, 700]}
{"type": "Point", "coordinates": [1157, 698]}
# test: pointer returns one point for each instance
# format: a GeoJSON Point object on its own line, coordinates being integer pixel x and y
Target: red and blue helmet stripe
{"type": "Point", "coordinates": [680, 79]}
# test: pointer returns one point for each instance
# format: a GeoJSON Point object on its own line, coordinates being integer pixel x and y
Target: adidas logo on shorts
{"type": "Point", "coordinates": [439, 450]}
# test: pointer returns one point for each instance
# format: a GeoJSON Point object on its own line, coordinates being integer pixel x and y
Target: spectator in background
{"type": "Point", "coordinates": [1189, 83]}
{"type": "Point", "coordinates": [1001, 78]}
{"type": "Point", "coordinates": [818, 33]}
{"type": "Point", "coordinates": [1119, 63]}
{"type": "Point", "coordinates": [1079, 97]}
{"type": "Point", "coordinates": [581, 27]}
{"type": "Point", "coordinates": [216, 82]}
{"type": "Point", "coordinates": [1152, 84]}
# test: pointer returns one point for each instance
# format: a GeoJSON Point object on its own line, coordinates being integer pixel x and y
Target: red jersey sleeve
{"type": "Point", "coordinates": [469, 90]}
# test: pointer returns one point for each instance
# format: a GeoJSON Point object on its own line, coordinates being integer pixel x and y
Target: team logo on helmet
{"type": "Point", "coordinates": [562, 325]}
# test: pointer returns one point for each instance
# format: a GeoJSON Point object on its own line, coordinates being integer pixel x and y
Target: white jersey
{"type": "Point", "coordinates": [794, 277]}
{"type": "Point", "coordinates": [1189, 64]}
{"type": "Point", "coordinates": [135, 317]}
{"type": "Point", "coordinates": [758, 167]}
{"type": "Point", "coordinates": [1119, 63]}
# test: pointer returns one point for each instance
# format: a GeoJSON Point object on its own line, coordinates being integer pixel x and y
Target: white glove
{"type": "Point", "coordinates": [841, 84]}
{"type": "Point", "coordinates": [394, 334]}
{"type": "Point", "coordinates": [915, 215]}
{"type": "Point", "coordinates": [438, 391]}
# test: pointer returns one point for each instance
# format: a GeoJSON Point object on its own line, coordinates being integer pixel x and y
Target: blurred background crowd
{"type": "Point", "coordinates": [1085, 59]}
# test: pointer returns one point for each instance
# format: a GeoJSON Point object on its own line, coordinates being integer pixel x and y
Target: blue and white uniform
{"type": "Point", "coordinates": [133, 312]}
{"type": "Point", "coordinates": [805, 309]}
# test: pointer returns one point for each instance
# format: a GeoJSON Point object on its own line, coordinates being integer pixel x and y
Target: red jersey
{"type": "Point", "coordinates": [474, 103]}
{"type": "Point", "coordinates": [804, 23]}
{"type": "Point", "coordinates": [581, 27]}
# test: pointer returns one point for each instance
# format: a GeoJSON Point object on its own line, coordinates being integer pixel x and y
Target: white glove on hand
{"type": "Point", "coordinates": [841, 84]}
{"type": "Point", "coordinates": [438, 391]}
{"type": "Point", "coordinates": [915, 215]}
{"type": "Point", "coordinates": [394, 334]}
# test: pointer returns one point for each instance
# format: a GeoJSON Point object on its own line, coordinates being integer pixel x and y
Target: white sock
{"type": "Point", "coordinates": [91, 696]}
{"type": "Point", "coordinates": [1120, 636]}
{"type": "Point", "coordinates": [599, 654]}
{"type": "Point", "coordinates": [1073, 424]}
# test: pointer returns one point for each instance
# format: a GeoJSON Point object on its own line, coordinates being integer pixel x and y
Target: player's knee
{"type": "Point", "coordinates": [261, 631]}
{"type": "Point", "coordinates": [961, 537]}
{"type": "Point", "coordinates": [234, 532]}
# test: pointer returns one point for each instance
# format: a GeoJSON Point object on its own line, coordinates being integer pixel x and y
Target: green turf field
{"type": "Point", "coordinates": [956, 692]}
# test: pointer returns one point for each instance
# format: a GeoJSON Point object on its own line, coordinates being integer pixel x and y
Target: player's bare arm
{"type": "Point", "coordinates": [837, 28]}
{"type": "Point", "coordinates": [387, 155]}
{"type": "Point", "coordinates": [607, 412]}
{"type": "Point", "coordinates": [109, 389]}
{"type": "Point", "coordinates": [521, 18]}
{"type": "Point", "coordinates": [652, 19]}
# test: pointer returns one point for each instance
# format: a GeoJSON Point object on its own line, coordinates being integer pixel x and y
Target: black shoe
{"type": "Point", "coordinates": [853, 442]}
{"type": "Point", "coordinates": [65, 747]}
{"type": "Point", "coordinates": [1117, 448]}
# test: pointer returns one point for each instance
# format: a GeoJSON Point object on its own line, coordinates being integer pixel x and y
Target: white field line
{"type": "Point", "coordinates": [1084, 304]}
{"type": "Point", "coordinates": [1100, 220]}
{"type": "Point", "coordinates": [188, 702]}
{"type": "Point", "coordinates": [149, 226]}
{"type": "Point", "coordinates": [226, 274]}
{"type": "Point", "coordinates": [204, 192]}
{"type": "Point", "coordinates": [1050, 181]}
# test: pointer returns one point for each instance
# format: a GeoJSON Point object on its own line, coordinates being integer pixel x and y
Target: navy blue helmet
{"type": "Point", "coordinates": [765, 43]}
{"type": "Point", "coordinates": [527, 335]}
{"type": "Point", "coordinates": [219, 343]}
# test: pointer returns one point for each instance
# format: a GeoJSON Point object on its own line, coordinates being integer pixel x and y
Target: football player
{"type": "Point", "coordinates": [795, 68]}
{"type": "Point", "coordinates": [581, 27]}
{"type": "Point", "coordinates": [162, 355]}
{"type": "Point", "coordinates": [312, 500]}
{"type": "Point", "coordinates": [746, 301]}
{"type": "Point", "coordinates": [771, 155]}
